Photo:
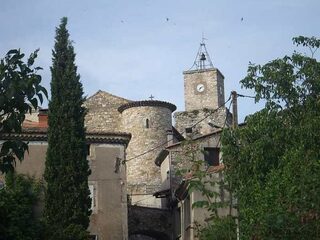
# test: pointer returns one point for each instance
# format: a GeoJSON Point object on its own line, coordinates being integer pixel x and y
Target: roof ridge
{"type": "Point", "coordinates": [105, 92]}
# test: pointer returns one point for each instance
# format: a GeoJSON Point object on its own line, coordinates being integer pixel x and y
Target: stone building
{"type": "Point", "coordinates": [201, 123]}
{"type": "Point", "coordinates": [148, 123]}
{"type": "Point", "coordinates": [204, 99]}
{"type": "Point", "coordinates": [105, 148]}
{"type": "Point", "coordinates": [125, 139]}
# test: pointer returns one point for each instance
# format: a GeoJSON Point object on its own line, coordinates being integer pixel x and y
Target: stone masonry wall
{"type": "Point", "coordinates": [180, 155]}
{"type": "Point", "coordinates": [103, 112]}
{"type": "Point", "coordinates": [143, 175]}
{"type": "Point", "coordinates": [188, 119]}
{"type": "Point", "coordinates": [213, 94]}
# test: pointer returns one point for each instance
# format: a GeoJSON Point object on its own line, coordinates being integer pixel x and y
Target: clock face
{"type": "Point", "coordinates": [200, 87]}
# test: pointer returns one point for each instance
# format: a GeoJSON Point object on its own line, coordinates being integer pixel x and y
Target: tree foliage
{"type": "Point", "coordinates": [20, 92]}
{"type": "Point", "coordinates": [273, 162]}
{"type": "Point", "coordinates": [67, 201]}
{"type": "Point", "coordinates": [17, 201]}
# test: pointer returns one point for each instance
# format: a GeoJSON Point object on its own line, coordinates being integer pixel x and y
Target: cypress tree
{"type": "Point", "coordinates": [67, 201]}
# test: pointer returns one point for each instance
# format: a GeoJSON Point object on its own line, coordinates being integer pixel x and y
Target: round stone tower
{"type": "Point", "coordinates": [148, 123]}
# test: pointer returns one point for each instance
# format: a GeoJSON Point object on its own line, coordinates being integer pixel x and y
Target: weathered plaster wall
{"type": "Point", "coordinates": [34, 161]}
{"type": "Point", "coordinates": [109, 219]}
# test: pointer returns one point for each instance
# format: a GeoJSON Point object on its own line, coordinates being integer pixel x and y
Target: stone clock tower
{"type": "Point", "coordinates": [204, 97]}
{"type": "Point", "coordinates": [203, 88]}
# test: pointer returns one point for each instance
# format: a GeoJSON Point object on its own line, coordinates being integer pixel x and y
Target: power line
{"type": "Point", "coordinates": [247, 96]}
{"type": "Point", "coordinates": [143, 199]}
{"type": "Point", "coordinates": [211, 112]}
{"type": "Point", "coordinates": [164, 143]}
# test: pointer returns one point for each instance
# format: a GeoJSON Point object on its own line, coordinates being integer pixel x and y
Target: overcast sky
{"type": "Point", "coordinates": [136, 48]}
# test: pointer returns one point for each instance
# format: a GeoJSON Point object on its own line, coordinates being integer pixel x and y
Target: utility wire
{"type": "Point", "coordinates": [142, 199]}
{"type": "Point", "coordinates": [164, 143]}
{"type": "Point", "coordinates": [211, 113]}
{"type": "Point", "coordinates": [247, 96]}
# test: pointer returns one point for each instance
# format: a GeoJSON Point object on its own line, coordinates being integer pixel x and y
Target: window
{"type": "Point", "coordinates": [88, 149]}
{"type": "Point", "coordinates": [178, 223]}
{"type": "Point", "coordinates": [187, 213]}
{"type": "Point", "coordinates": [93, 237]}
{"type": "Point", "coordinates": [187, 218]}
{"type": "Point", "coordinates": [189, 130]}
{"type": "Point", "coordinates": [211, 156]}
{"type": "Point", "coordinates": [93, 197]}
{"type": "Point", "coordinates": [147, 125]}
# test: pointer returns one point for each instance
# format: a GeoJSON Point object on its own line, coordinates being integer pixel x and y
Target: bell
{"type": "Point", "coordinates": [203, 57]}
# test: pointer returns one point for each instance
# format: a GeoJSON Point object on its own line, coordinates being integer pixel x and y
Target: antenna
{"type": "Point", "coordinates": [202, 60]}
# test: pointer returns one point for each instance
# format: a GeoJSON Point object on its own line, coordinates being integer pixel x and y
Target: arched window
{"type": "Point", "coordinates": [147, 123]}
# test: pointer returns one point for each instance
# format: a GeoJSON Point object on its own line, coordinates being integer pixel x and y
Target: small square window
{"type": "Point", "coordinates": [147, 123]}
{"type": "Point", "coordinates": [189, 130]}
{"type": "Point", "coordinates": [211, 156]}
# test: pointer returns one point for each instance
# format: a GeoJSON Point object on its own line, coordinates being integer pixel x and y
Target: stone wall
{"type": "Point", "coordinates": [213, 94]}
{"type": "Point", "coordinates": [148, 126]}
{"type": "Point", "coordinates": [180, 155]}
{"type": "Point", "coordinates": [149, 223]}
{"type": "Point", "coordinates": [211, 120]}
{"type": "Point", "coordinates": [103, 112]}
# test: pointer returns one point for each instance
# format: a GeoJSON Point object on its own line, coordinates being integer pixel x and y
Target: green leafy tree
{"type": "Point", "coordinates": [20, 92]}
{"type": "Point", "coordinates": [17, 202]}
{"type": "Point", "coordinates": [67, 201]}
{"type": "Point", "coordinates": [273, 163]}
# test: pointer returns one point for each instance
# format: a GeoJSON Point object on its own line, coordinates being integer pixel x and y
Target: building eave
{"type": "Point", "coordinates": [91, 137]}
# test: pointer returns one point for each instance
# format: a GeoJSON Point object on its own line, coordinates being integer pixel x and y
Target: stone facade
{"type": "Point", "coordinates": [203, 89]}
{"type": "Point", "coordinates": [113, 118]}
{"type": "Point", "coordinates": [149, 223]}
{"type": "Point", "coordinates": [211, 119]}
{"type": "Point", "coordinates": [204, 103]}
{"type": "Point", "coordinates": [103, 112]}
{"type": "Point", "coordinates": [148, 123]}
{"type": "Point", "coordinates": [179, 156]}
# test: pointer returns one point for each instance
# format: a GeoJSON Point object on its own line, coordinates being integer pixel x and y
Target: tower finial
{"type": "Point", "coordinates": [202, 60]}
{"type": "Point", "coordinates": [203, 39]}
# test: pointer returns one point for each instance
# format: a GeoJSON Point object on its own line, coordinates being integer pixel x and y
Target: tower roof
{"type": "Point", "coordinates": [150, 103]}
{"type": "Point", "coordinates": [202, 60]}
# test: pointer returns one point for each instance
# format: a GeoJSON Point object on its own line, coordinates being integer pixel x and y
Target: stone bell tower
{"type": "Point", "coordinates": [204, 97]}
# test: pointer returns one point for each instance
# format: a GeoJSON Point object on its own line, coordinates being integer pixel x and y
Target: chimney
{"type": "Point", "coordinates": [43, 117]}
